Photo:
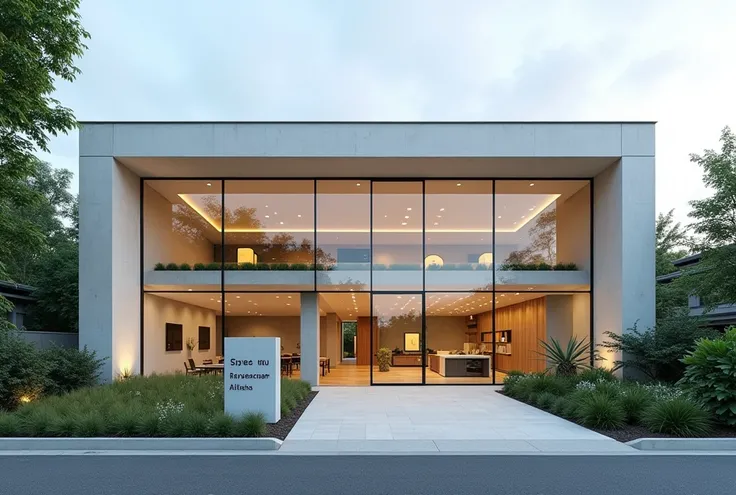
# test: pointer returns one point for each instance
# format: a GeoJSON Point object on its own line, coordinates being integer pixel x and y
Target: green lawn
{"type": "Point", "coordinates": [153, 406]}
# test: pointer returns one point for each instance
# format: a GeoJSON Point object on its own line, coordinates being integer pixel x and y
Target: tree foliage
{"type": "Point", "coordinates": [714, 278]}
{"type": "Point", "coordinates": [39, 41]}
{"type": "Point", "coordinates": [671, 238]}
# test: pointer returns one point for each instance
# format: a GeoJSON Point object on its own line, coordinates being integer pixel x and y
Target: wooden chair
{"type": "Point", "coordinates": [191, 371]}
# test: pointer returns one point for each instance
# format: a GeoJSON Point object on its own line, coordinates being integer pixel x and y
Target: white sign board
{"type": "Point", "coordinates": [253, 376]}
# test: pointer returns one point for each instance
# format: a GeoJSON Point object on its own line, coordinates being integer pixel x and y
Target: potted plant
{"type": "Point", "coordinates": [191, 345]}
{"type": "Point", "coordinates": [383, 356]}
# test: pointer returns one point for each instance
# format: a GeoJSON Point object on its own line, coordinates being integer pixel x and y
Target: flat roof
{"type": "Point", "coordinates": [367, 121]}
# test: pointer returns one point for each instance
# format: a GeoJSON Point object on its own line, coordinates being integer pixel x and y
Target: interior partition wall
{"type": "Point", "coordinates": [424, 251]}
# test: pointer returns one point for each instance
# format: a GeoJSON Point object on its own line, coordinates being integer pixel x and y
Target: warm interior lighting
{"type": "Point", "coordinates": [485, 259]}
{"type": "Point", "coordinates": [433, 260]}
{"type": "Point", "coordinates": [218, 226]}
{"type": "Point", "coordinates": [247, 255]}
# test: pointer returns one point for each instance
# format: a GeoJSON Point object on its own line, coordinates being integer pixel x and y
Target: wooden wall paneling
{"type": "Point", "coordinates": [527, 321]}
{"type": "Point", "coordinates": [363, 341]}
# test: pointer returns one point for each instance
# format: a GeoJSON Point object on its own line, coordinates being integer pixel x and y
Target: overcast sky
{"type": "Point", "coordinates": [664, 60]}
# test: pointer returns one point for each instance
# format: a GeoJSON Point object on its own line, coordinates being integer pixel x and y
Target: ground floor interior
{"type": "Point", "coordinates": [357, 339]}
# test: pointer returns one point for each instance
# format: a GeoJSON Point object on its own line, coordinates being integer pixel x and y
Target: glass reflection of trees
{"type": "Point", "coordinates": [543, 242]}
{"type": "Point", "coordinates": [280, 246]}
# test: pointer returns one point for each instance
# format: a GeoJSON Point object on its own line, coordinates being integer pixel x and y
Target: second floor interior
{"type": "Point", "coordinates": [366, 235]}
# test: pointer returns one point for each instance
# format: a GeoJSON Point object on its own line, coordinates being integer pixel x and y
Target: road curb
{"type": "Point", "coordinates": [684, 444]}
{"type": "Point", "coordinates": [139, 444]}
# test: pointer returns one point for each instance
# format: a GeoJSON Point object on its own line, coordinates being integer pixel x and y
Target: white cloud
{"type": "Point", "coordinates": [417, 60]}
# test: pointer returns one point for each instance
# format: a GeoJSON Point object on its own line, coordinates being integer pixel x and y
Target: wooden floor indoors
{"type": "Point", "coordinates": [347, 375]}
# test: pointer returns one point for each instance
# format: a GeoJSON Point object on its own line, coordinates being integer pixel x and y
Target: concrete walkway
{"type": "Point", "coordinates": [452, 419]}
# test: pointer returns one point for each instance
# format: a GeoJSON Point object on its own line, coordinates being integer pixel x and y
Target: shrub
{"type": "Point", "coordinates": [198, 267]}
{"type": "Point", "coordinates": [710, 375]}
{"type": "Point", "coordinates": [611, 389]}
{"type": "Point", "coordinates": [185, 267]}
{"type": "Point", "coordinates": [221, 425]}
{"type": "Point", "coordinates": [9, 425]}
{"type": "Point", "coordinates": [510, 381]}
{"type": "Point", "coordinates": [545, 400]}
{"type": "Point", "coordinates": [22, 373]}
{"type": "Point", "coordinates": [383, 357]}
{"type": "Point", "coordinates": [297, 267]}
{"type": "Point", "coordinates": [566, 361]}
{"type": "Point", "coordinates": [212, 266]}
{"type": "Point", "coordinates": [69, 369]}
{"type": "Point", "coordinates": [529, 386]}
{"type": "Point", "coordinates": [263, 266]}
{"type": "Point", "coordinates": [680, 417]}
{"type": "Point", "coordinates": [280, 266]}
{"type": "Point", "coordinates": [601, 411]}
{"type": "Point", "coordinates": [159, 267]}
{"type": "Point", "coordinates": [89, 424]}
{"type": "Point", "coordinates": [657, 352]}
{"type": "Point", "coordinates": [172, 267]}
{"type": "Point", "coordinates": [559, 406]}
{"type": "Point", "coordinates": [251, 425]}
{"type": "Point", "coordinates": [595, 375]}
{"type": "Point", "coordinates": [247, 266]}
{"type": "Point", "coordinates": [231, 266]}
{"type": "Point", "coordinates": [635, 400]}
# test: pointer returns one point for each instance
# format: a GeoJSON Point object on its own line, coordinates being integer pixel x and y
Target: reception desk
{"type": "Point", "coordinates": [460, 365]}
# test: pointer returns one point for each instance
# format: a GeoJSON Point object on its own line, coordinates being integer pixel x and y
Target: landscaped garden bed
{"type": "Point", "coordinates": [153, 406]}
{"type": "Point", "coordinates": [621, 410]}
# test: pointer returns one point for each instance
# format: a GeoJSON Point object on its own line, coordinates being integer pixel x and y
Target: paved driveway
{"type": "Point", "coordinates": [435, 419]}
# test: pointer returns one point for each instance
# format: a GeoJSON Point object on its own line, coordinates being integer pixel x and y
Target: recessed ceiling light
{"type": "Point", "coordinates": [358, 184]}
{"type": "Point", "coordinates": [403, 223]}
{"type": "Point", "coordinates": [238, 297]}
{"type": "Point", "coordinates": [267, 216]}
{"type": "Point", "coordinates": [406, 216]}
{"type": "Point", "coordinates": [408, 209]}
{"type": "Point", "coordinates": [289, 297]}
{"type": "Point", "coordinates": [190, 290]}
{"type": "Point", "coordinates": [281, 223]}
{"type": "Point", "coordinates": [266, 206]}
{"type": "Point", "coordinates": [499, 216]}
{"type": "Point", "coordinates": [436, 223]}
{"type": "Point", "coordinates": [531, 209]}
{"type": "Point", "coordinates": [531, 184]}
{"type": "Point", "coordinates": [288, 304]}
{"type": "Point", "coordinates": [523, 216]}
{"type": "Point", "coordinates": [442, 209]}
{"type": "Point", "coordinates": [209, 184]}
{"type": "Point", "coordinates": [299, 216]}
{"type": "Point", "coordinates": [385, 216]}
{"type": "Point", "coordinates": [516, 294]}
{"type": "Point", "coordinates": [459, 184]}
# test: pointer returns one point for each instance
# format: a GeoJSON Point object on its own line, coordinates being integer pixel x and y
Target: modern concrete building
{"type": "Point", "coordinates": [449, 250]}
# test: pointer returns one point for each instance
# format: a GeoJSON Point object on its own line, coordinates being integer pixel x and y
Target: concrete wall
{"type": "Point", "coordinates": [46, 340]}
{"type": "Point", "coordinates": [158, 312]}
{"type": "Point", "coordinates": [109, 268]}
{"type": "Point", "coordinates": [624, 243]}
{"type": "Point", "coordinates": [161, 244]}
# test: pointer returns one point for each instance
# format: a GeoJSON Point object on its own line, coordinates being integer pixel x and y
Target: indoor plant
{"type": "Point", "coordinates": [383, 356]}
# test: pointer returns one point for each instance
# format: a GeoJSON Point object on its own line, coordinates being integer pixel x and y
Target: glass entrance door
{"type": "Point", "coordinates": [398, 338]}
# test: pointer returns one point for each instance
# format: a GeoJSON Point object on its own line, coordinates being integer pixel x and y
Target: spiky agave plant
{"type": "Point", "coordinates": [567, 360]}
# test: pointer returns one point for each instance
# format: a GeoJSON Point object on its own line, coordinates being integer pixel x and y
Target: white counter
{"type": "Point", "coordinates": [441, 366]}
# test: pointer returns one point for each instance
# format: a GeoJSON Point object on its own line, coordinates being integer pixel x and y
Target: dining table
{"type": "Point", "coordinates": [212, 368]}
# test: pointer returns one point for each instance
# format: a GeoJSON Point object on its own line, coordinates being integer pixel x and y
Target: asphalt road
{"type": "Point", "coordinates": [404, 475]}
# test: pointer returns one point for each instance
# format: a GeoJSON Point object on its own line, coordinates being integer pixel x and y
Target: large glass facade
{"type": "Point", "coordinates": [448, 281]}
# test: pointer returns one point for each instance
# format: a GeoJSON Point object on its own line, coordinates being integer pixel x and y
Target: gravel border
{"type": "Point", "coordinates": [281, 429]}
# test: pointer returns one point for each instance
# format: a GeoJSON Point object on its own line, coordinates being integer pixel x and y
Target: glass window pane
{"type": "Point", "coordinates": [269, 227]}
{"type": "Point", "coordinates": [542, 235]}
{"type": "Point", "coordinates": [397, 338]}
{"type": "Point", "coordinates": [459, 227]}
{"type": "Point", "coordinates": [182, 225]}
{"type": "Point", "coordinates": [343, 235]}
{"type": "Point", "coordinates": [397, 236]}
{"type": "Point", "coordinates": [459, 338]}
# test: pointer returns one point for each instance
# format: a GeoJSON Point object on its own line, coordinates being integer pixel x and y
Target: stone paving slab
{"type": "Point", "coordinates": [433, 418]}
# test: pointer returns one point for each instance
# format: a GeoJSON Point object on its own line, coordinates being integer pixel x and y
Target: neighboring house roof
{"type": "Point", "coordinates": [689, 260]}
{"type": "Point", "coordinates": [16, 291]}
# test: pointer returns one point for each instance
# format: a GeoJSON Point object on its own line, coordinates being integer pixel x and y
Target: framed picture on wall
{"type": "Point", "coordinates": [411, 341]}
{"type": "Point", "coordinates": [174, 337]}
{"type": "Point", "coordinates": [204, 338]}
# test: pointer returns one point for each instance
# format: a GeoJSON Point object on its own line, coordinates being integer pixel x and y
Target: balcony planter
{"type": "Point", "coordinates": [176, 280]}
{"type": "Point", "coordinates": [289, 279]}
